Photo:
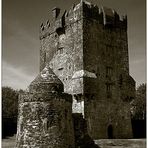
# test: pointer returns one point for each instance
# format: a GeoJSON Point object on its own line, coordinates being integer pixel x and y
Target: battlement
{"type": "Point", "coordinates": [104, 15]}
{"type": "Point", "coordinates": [84, 10]}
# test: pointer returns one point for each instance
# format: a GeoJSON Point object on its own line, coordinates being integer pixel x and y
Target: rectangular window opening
{"type": "Point", "coordinates": [109, 90]}
{"type": "Point", "coordinates": [109, 71]}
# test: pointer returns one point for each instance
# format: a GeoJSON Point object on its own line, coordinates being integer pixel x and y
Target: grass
{"type": "Point", "coordinates": [9, 142]}
{"type": "Point", "coordinates": [121, 143]}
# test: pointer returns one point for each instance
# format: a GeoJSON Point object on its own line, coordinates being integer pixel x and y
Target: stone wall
{"type": "Point", "coordinates": [107, 101]}
{"type": "Point", "coordinates": [63, 51]}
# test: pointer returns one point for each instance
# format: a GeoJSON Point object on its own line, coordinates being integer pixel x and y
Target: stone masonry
{"type": "Point", "coordinates": [45, 114]}
{"type": "Point", "coordinates": [84, 69]}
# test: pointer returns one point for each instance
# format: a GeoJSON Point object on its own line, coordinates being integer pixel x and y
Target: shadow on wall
{"type": "Point", "coordinates": [82, 139]}
{"type": "Point", "coordinates": [9, 127]}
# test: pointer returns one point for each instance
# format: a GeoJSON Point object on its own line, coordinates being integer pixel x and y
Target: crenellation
{"type": "Point", "coordinates": [83, 10]}
{"type": "Point", "coordinates": [55, 12]}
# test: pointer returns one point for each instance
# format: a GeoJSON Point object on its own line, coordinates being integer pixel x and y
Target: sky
{"type": "Point", "coordinates": [20, 36]}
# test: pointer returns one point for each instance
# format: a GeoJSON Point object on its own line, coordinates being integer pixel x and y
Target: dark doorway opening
{"type": "Point", "coordinates": [110, 132]}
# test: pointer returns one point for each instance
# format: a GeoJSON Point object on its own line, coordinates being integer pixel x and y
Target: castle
{"type": "Point", "coordinates": [84, 84]}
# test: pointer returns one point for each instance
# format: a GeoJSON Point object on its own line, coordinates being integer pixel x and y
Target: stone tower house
{"type": "Point", "coordinates": [87, 49]}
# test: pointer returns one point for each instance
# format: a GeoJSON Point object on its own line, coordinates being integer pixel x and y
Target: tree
{"type": "Point", "coordinates": [9, 102]}
{"type": "Point", "coordinates": [139, 104]}
{"type": "Point", "coordinates": [9, 111]}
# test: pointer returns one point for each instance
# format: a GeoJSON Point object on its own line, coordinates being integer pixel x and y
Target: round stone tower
{"type": "Point", "coordinates": [45, 114]}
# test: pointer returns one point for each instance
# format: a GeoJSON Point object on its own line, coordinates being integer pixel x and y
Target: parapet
{"type": "Point", "coordinates": [84, 10]}
{"type": "Point", "coordinates": [105, 16]}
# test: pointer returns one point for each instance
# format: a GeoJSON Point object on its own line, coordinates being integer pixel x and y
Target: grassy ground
{"type": "Point", "coordinates": [9, 142]}
{"type": "Point", "coordinates": [121, 143]}
{"type": "Point", "coordinates": [102, 143]}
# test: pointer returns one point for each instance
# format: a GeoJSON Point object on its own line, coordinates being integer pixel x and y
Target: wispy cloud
{"type": "Point", "coordinates": [15, 77]}
{"type": "Point", "coordinates": [137, 61]}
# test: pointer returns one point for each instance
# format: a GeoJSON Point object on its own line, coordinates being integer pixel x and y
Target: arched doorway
{"type": "Point", "coordinates": [110, 132]}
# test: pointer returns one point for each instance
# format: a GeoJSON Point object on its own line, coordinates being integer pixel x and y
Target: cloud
{"type": "Point", "coordinates": [15, 77]}
{"type": "Point", "coordinates": [137, 61]}
{"type": "Point", "coordinates": [20, 47]}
